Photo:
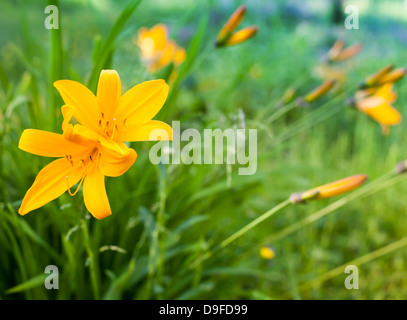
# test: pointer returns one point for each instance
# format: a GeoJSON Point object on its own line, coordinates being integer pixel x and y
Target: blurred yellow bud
{"type": "Point", "coordinates": [227, 36]}
{"type": "Point", "coordinates": [373, 79]}
{"type": "Point", "coordinates": [241, 36]}
{"type": "Point", "coordinates": [349, 52]}
{"type": "Point", "coordinates": [320, 90]}
{"type": "Point", "coordinates": [337, 53]}
{"type": "Point", "coordinates": [393, 76]}
{"type": "Point", "coordinates": [267, 253]}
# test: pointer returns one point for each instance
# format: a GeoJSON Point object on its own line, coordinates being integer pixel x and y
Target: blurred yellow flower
{"type": "Point", "coordinates": [329, 190]}
{"type": "Point", "coordinates": [157, 50]}
{"type": "Point", "coordinates": [267, 253]}
{"type": "Point", "coordinates": [227, 36]}
{"type": "Point", "coordinates": [377, 104]}
{"type": "Point", "coordinates": [94, 148]}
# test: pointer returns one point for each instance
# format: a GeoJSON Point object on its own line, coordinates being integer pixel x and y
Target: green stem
{"type": "Point", "coordinates": [55, 67]}
{"type": "Point", "coordinates": [92, 261]}
{"type": "Point", "coordinates": [357, 262]}
{"type": "Point", "coordinates": [241, 232]}
{"type": "Point", "coordinates": [362, 191]}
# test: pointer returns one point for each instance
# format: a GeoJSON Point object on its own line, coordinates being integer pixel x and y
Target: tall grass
{"type": "Point", "coordinates": [194, 231]}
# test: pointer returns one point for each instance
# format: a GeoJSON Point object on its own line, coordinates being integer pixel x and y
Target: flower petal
{"type": "Point", "coordinates": [116, 158]}
{"type": "Point", "coordinates": [384, 114]}
{"type": "Point", "coordinates": [141, 103]}
{"type": "Point", "coordinates": [94, 193]}
{"type": "Point", "coordinates": [48, 144]}
{"type": "Point", "coordinates": [108, 92]}
{"type": "Point", "coordinates": [50, 183]}
{"type": "Point", "coordinates": [151, 131]}
{"type": "Point", "coordinates": [77, 95]}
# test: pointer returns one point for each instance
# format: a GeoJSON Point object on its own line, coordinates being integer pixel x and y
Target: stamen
{"type": "Point", "coordinates": [114, 129]}
{"type": "Point", "coordinates": [77, 189]}
{"type": "Point", "coordinates": [124, 122]}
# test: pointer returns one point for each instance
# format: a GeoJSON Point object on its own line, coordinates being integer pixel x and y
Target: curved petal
{"type": "Point", "coordinates": [81, 135]}
{"type": "Point", "coordinates": [48, 144]}
{"type": "Point", "coordinates": [159, 33]}
{"type": "Point", "coordinates": [385, 114]}
{"type": "Point", "coordinates": [86, 108]}
{"type": "Point", "coordinates": [51, 182]}
{"type": "Point", "coordinates": [116, 158]}
{"type": "Point", "coordinates": [141, 103]}
{"type": "Point", "coordinates": [151, 131]}
{"type": "Point", "coordinates": [94, 193]}
{"type": "Point", "coordinates": [108, 92]}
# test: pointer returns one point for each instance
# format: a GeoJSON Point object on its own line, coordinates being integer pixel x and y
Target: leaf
{"type": "Point", "coordinates": [29, 284]}
{"type": "Point", "coordinates": [106, 50]}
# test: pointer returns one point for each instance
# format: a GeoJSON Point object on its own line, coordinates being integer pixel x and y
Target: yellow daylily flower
{"type": "Point", "coordinates": [157, 50]}
{"type": "Point", "coordinates": [378, 106]}
{"type": "Point", "coordinates": [227, 36]}
{"type": "Point", "coordinates": [329, 190]}
{"type": "Point", "coordinates": [94, 147]}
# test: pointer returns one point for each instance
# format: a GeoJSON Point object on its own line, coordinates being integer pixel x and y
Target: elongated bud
{"type": "Point", "coordinates": [287, 97]}
{"type": "Point", "coordinates": [329, 190]}
{"type": "Point", "coordinates": [348, 53]}
{"type": "Point", "coordinates": [335, 50]}
{"type": "Point", "coordinates": [401, 167]}
{"type": "Point", "coordinates": [373, 79]}
{"type": "Point", "coordinates": [230, 26]}
{"type": "Point", "coordinates": [241, 36]}
{"type": "Point", "coordinates": [392, 76]}
{"type": "Point", "coordinates": [320, 91]}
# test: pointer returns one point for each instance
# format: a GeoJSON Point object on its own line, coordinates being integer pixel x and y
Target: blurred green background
{"type": "Point", "coordinates": [134, 255]}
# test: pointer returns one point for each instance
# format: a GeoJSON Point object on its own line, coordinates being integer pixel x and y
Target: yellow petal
{"type": "Point", "coordinates": [77, 95]}
{"type": "Point", "coordinates": [159, 33]}
{"type": "Point", "coordinates": [116, 158]}
{"type": "Point", "coordinates": [48, 144]}
{"type": "Point", "coordinates": [179, 56]}
{"type": "Point", "coordinates": [141, 103]}
{"type": "Point", "coordinates": [50, 183]}
{"type": "Point", "coordinates": [108, 93]}
{"type": "Point", "coordinates": [384, 114]}
{"type": "Point", "coordinates": [151, 131]}
{"type": "Point", "coordinates": [94, 193]}
{"type": "Point", "coordinates": [81, 135]}
{"type": "Point", "coordinates": [386, 92]}
{"type": "Point", "coordinates": [67, 113]}
{"type": "Point", "coordinates": [167, 54]}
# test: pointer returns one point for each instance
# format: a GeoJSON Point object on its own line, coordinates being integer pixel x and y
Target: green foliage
{"type": "Point", "coordinates": [166, 218]}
